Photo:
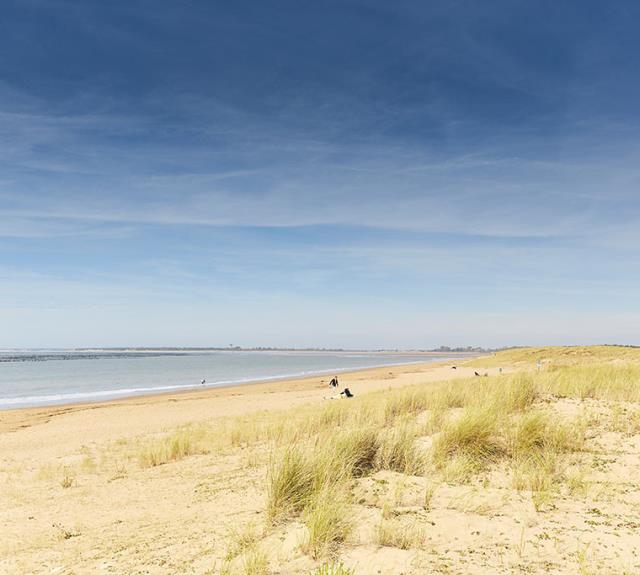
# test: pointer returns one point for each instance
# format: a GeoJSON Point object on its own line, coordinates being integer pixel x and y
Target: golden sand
{"type": "Point", "coordinates": [77, 497]}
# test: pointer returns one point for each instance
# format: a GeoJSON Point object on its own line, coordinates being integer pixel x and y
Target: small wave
{"type": "Point", "coordinates": [85, 396]}
{"type": "Point", "coordinates": [105, 394]}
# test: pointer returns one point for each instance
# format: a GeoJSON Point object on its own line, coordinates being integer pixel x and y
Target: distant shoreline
{"type": "Point", "coordinates": [11, 356]}
{"type": "Point", "coordinates": [15, 418]}
{"type": "Point", "coordinates": [136, 390]}
{"type": "Point", "coordinates": [238, 349]}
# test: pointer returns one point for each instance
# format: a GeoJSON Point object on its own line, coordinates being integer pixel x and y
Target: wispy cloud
{"type": "Point", "coordinates": [360, 165]}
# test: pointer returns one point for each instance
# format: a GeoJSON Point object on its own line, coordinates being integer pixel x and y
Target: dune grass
{"type": "Point", "coordinates": [400, 534]}
{"type": "Point", "coordinates": [538, 431]}
{"type": "Point", "coordinates": [559, 355]}
{"type": "Point", "coordinates": [472, 435]}
{"type": "Point", "coordinates": [611, 373]}
{"type": "Point", "coordinates": [333, 569]}
{"type": "Point", "coordinates": [173, 447]}
{"type": "Point", "coordinates": [474, 424]}
{"type": "Point", "coordinates": [255, 562]}
{"type": "Point", "coordinates": [450, 431]}
{"type": "Point", "coordinates": [290, 483]}
{"type": "Point", "coordinates": [536, 472]}
{"type": "Point", "coordinates": [68, 479]}
{"type": "Point", "coordinates": [611, 382]}
{"type": "Point", "coordinates": [350, 452]}
{"type": "Point", "coordinates": [241, 539]}
{"type": "Point", "coordinates": [327, 520]}
{"type": "Point", "coordinates": [517, 393]}
{"type": "Point", "coordinates": [398, 450]}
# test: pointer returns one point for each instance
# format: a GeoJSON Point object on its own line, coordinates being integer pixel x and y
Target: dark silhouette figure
{"type": "Point", "coordinates": [334, 382]}
{"type": "Point", "coordinates": [476, 374]}
{"type": "Point", "coordinates": [346, 392]}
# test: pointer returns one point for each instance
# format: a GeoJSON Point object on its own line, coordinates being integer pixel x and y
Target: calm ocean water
{"type": "Point", "coordinates": [58, 377]}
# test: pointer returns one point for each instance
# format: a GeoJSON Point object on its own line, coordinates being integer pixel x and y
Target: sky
{"type": "Point", "coordinates": [331, 173]}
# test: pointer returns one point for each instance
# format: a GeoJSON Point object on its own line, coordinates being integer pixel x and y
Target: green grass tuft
{"type": "Point", "coordinates": [327, 521]}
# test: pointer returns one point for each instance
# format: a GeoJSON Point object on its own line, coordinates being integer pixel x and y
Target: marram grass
{"type": "Point", "coordinates": [451, 431]}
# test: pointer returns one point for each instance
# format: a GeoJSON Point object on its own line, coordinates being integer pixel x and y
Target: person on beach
{"type": "Point", "coordinates": [203, 381]}
{"type": "Point", "coordinates": [334, 382]}
{"type": "Point", "coordinates": [344, 394]}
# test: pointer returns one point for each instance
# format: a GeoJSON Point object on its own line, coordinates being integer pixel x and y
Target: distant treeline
{"type": "Point", "coordinates": [475, 349]}
{"type": "Point", "coordinates": [442, 348]}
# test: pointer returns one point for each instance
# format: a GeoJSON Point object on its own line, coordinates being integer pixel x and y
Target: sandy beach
{"type": "Point", "coordinates": [183, 483]}
{"type": "Point", "coordinates": [154, 412]}
{"type": "Point", "coordinates": [40, 442]}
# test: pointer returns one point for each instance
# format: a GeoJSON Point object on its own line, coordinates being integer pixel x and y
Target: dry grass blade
{"type": "Point", "coordinates": [327, 521]}
{"type": "Point", "coordinates": [290, 483]}
{"type": "Point", "coordinates": [472, 435]}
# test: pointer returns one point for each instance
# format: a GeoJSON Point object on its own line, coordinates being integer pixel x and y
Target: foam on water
{"type": "Point", "coordinates": [36, 382]}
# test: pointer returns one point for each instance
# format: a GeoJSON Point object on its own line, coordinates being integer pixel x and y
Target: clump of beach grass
{"type": "Point", "coordinates": [516, 394]}
{"type": "Point", "coordinates": [327, 521]}
{"type": "Point", "coordinates": [429, 492]}
{"type": "Point", "coordinates": [576, 481]}
{"type": "Point", "coordinates": [451, 395]}
{"type": "Point", "coordinates": [472, 435]}
{"type": "Point", "coordinates": [173, 447]}
{"type": "Point", "coordinates": [300, 473]}
{"type": "Point", "coordinates": [399, 534]}
{"type": "Point", "coordinates": [624, 419]}
{"type": "Point", "coordinates": [255, 561]}
{"type": "Point", "coordinates": [290, 483]}
{"type": "Point", "coordinates": [403, 403]}
{"type": "Point", "coordinates": [355, 449]}
{"type": "Point", "coordinates": [399, 452]}
{"type": "Point", "coordinates": [611, 382]}
{"type": "Point", "coordinates": [434, 420]}
{"type": "Point", "coordinates": [332, 569]}
{"type": "Point", "coordinates": [537, 431]}
{"type": "Point", "coordinates": [459, 468]}
{"type": "Point", "coordinates": [68, 479]}
{"type": "Point", "coordinates": [241, 540]}
{"type": "Point", "coordinates": [536, 472]}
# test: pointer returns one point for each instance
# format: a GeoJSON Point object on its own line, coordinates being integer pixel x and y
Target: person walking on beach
{"type": "Point", "coordinates": [334, 382]}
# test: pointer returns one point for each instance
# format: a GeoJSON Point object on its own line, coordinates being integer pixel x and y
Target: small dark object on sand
{"type": "Point", "coordinates": [346, 392]}
{"type": "Point", "coordinates": [453, 367]}
{"type": "Point", "coordinates": [476, 374]}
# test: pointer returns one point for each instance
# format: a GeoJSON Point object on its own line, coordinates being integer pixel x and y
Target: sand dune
{"type": "Point", "coordinates": [180, 483]}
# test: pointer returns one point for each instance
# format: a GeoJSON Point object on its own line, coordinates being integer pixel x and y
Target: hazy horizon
{"type": "Point", "coordinates": [170, 348]}
{"type": "Point", "coordinates": [339, 174]}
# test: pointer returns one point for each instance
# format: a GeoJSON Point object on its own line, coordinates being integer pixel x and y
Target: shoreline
{"type": "Point", "coordinates": [297, 390]}
{"type": "Point", "coordinates": [92, 397]}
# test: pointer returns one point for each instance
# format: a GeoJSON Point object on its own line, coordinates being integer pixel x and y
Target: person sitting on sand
{"type": "Point", "coordinates": [344, 394]}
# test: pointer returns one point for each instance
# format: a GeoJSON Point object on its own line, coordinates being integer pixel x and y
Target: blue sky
{"type": "Point", "coordinates": [356, 174]}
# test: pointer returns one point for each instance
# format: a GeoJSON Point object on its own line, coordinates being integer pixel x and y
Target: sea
{"type": "Point", "coordinates": [30, 378]}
